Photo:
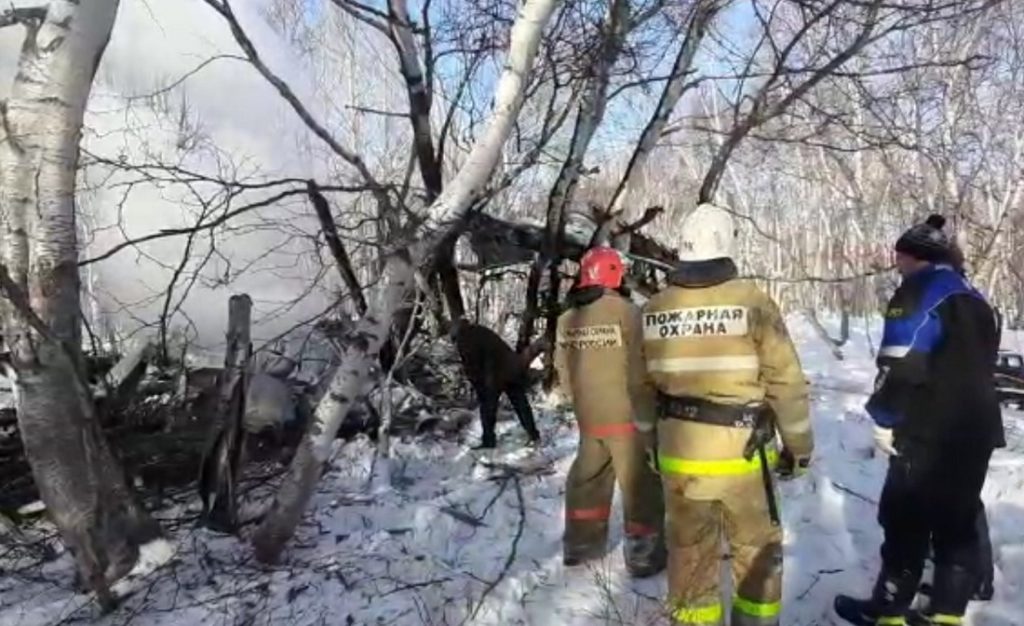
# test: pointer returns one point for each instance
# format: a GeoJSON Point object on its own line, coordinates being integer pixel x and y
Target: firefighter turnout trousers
{"type": "Point", "coordinates": [601, 461]}
{"type": "Point", "coordinates": [708, 502]}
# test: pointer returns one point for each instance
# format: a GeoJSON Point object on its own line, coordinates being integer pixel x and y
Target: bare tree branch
{"type": "Point", "coordinates": [211, 224]}
{"type": "Point", "coordinates": [22, 15]}
{"type": "Point", "coordinates": [703, 15]}
{"type": "Point", "coordinates": [223, 7]}
{"type": "Point", "coordinates": [614, 29]}
{"type": "Point", "coordinates": [341, 258]}
{"type": "Point", "coordinates": [761, 111]}
{"type": "Point", "coordinates": [19, 299]}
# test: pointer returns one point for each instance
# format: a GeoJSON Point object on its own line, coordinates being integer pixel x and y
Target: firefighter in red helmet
{"type": "Point", "coordinates": [601, 370]}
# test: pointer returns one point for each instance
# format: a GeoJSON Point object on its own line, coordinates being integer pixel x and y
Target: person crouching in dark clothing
{"type": "Point", "coordinates": [493, 369]}
{"type": "Point", "coordinates": [937, 415]}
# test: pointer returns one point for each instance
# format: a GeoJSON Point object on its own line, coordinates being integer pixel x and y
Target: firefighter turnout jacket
{"type": "Point", "coordinates": [725, 343]}
{"type": "Point", "coordinates": [600, 366]}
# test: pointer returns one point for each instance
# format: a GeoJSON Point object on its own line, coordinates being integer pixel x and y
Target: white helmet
{"type": "Point", "coordinates": [708, 233]}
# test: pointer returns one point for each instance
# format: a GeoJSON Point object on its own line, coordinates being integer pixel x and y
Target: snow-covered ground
{"type": "Point", "coordinates": [456, 543]}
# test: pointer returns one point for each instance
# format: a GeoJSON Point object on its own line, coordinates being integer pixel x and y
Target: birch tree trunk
{"type": "Point", "coordinates": [78, 478]}
{"type": "Point", "coordinates": [420, 94]}
{"type": "Point", "coordinates": [364, 340]}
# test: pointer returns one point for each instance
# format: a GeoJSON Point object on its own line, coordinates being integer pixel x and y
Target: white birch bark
{"type": "Point", "coordinates": [624, 200]}
{"type": "Point", "coordinates": [364, 342]}
{"type": "Point", "coordinates": [78, 478]}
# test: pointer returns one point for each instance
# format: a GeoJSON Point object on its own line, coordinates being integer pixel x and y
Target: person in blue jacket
{"type": "Point", "coordinates": [936, 414]}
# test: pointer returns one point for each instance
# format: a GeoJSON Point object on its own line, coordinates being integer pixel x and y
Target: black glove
{"type": "Point", "coordinates": [791, 466]}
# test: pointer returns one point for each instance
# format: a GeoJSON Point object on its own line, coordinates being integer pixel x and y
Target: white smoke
{"type": "Point", "coordinates": [223, 119]}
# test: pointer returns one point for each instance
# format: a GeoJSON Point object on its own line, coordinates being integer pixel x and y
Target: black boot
{"type": "Point", "coordinates": [856, 611]}
{"type": "Point", "coordinates": [488, 442]}
{"type": "Point", "coordinates": [984, 591]}
{"type": "Point", "coordinates": [645, 556]}
{"type": "Point", "coordinates": [891, 597]}
{"type": "Point", "coordinates": [953, 587]}
{"type": "Point", "coordinates": [571, 557]}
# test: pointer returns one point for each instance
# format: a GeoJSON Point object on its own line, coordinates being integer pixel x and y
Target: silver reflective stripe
{"type": "Point", "coordinates": [895, 352]}
{"type": "Point", "coordinates": [704, 364]}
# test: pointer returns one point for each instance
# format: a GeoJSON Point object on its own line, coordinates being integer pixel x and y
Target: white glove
{"type": "Point", "coordinates": [883, 440]}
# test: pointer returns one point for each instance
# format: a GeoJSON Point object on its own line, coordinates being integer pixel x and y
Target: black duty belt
{"type": "Point", "coordinates": [704, 411]}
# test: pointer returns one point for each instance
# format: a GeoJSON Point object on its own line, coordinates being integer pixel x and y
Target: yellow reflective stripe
{"type": "Point", "coordinates": [710, 614]}
{"type": "Point", "coordinates": [940, 618]}
{"type": "Point", "coordinates": [715, 467]}
{"type": "Point", "coordinates": [893, 620]}
{"type": "Point", "coordinates": [757, 609]}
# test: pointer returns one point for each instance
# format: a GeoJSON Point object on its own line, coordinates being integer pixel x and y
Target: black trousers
{"type": "Point", "coordinates": [932, 495]}
{"type": "Point", "coordinates": [489, 397]}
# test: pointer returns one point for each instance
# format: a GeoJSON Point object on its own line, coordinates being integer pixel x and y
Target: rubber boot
{"type": "Point", "coordinates": [645, 556]}
{"type": "Point", "coordinates": [579, 555]}
{"type": "Point", "coordinates": [487, 442]}
{"type": "Point", "coordinates": [856, 611]}
{"type": "Point", "coordinates": [984, 591]}
{"type": "Point", "coordinates": [890, 600]}
{"type": "Point", "coordinates": [953, 587]}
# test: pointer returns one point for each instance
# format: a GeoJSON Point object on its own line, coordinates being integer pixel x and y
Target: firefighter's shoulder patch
{"type": "Point", "coordinates": [590, 337]}
{"type": "Point", "coordinates": [697, 322]}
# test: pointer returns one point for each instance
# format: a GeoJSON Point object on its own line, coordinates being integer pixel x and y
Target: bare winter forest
{"type": "Point", "coordinates": [234, 233]}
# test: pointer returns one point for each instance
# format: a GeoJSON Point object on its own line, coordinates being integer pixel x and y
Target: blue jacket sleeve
{"type": "Point", "coordinates": [913, 330]}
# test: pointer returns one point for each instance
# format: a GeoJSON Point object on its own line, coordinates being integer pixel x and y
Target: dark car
{"type": "Point", "coordinates": [1010, 378]}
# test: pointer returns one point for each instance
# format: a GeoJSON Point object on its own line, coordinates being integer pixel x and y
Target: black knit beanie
{"type": "Point", "coordinates": [926, 241]}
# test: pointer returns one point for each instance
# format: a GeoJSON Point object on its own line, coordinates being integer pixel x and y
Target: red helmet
{"type": "Point", "coordinates": [601, 267]}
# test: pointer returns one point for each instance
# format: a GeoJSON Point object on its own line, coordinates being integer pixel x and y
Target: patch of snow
{"type": "Point", "coordinates": [32, 508]}
{"type": "Point", "coordinates": [464, 537]}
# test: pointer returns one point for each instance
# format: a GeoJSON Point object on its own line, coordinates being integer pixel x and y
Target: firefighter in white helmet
{"type": "Point", "coordinates": [727, 374]}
